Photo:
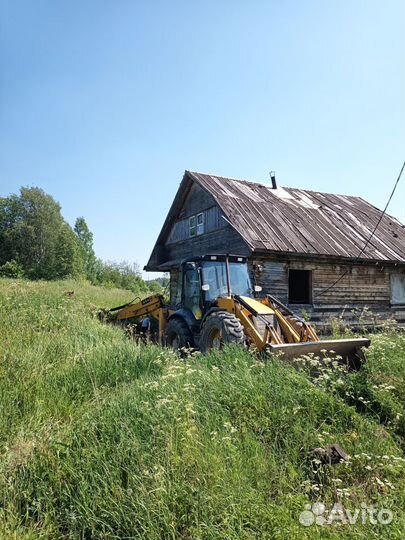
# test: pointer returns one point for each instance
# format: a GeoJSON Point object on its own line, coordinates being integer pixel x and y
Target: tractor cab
{"type": "Point", "coordinates": [205, 279]}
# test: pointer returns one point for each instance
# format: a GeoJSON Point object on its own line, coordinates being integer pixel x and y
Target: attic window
{"type": "Point", "coordinates": [200, 223]}
{"type": "Point", "coordinates": [196, 224]}
{"type": "Point", "coordinates": [193, 226]}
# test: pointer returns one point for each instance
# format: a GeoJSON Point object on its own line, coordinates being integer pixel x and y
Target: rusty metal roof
{"type": "Point", "coordinates": [300, 221]}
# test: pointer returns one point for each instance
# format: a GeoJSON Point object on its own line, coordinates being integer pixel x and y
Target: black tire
{"type": "Point", "coordinates": [177, 334]}
{"type": "Point", "coordinates": [221, 328]}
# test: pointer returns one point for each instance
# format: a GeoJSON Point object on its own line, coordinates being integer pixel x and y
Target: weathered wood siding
{"type": "Point", "coordinates": [218, 236]}
{"type": "Point", "coordinates": [213, 221]}
{"type": "Point", "coordinates": [363, 286]}
{"type": "Point", "coordinates": [197, 200]}
{"type": "Point", "coordinates": [273, 278]}
{"type": "Point", "coordinates": [225, 240]}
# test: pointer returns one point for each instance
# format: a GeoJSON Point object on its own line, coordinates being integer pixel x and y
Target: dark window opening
{"type": "Point", "coordinates": [299, 287]}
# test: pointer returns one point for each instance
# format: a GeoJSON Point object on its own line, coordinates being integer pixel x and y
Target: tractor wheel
{"type": "Point", "coordinates": [177, 334]}
{"type": "Point", "coordinates": [220, 328]}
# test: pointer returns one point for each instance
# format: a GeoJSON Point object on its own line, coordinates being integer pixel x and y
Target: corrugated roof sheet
{"type": "Point", "coordinates": [301, 221]}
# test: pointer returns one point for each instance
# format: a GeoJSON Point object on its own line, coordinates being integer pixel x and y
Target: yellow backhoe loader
{"type": "Point", "coordinates": [217, 304]}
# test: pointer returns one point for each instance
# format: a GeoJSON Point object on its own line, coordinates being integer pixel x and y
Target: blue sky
{"type": "Point", "coordinates": [103, 104]}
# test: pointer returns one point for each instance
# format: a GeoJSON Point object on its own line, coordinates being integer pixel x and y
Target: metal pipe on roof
{"type": "Point", "coordinates": [273, 180]}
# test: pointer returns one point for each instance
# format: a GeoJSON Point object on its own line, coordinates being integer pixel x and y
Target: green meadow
{"type": "Point", "coordinates": [105, 438]}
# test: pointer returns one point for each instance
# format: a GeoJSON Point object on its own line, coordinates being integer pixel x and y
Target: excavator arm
{"type": "Point", "coordinates": [148, 306]}
{"type": "Point", "coordinates": [152, 306]}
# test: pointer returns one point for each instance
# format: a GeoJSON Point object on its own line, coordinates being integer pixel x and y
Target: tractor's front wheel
{"type": "Point", "coordinates": [177, 334]}
{"type": "Point", "coordinates": [220, 328]}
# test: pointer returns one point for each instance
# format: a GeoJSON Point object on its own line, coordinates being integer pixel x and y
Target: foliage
{"type": "Point", "coordinates": [378, 390]}
{"type": "Point", "coordinates": [123, 275]}
{"type": "Point", "coordinates": [158, 285]}
{"type": "Point", "coordinates": [68, 259]}
{"type": "Point", "coordinates": [85, 238]}
{"type": "Point", "coordinates": [11, 269]}
{"type": "Point", "coordinates": [105, 438]}
{"type": "Point", "coordinates": [34, 234]}
{"type": "Point", "coordinates": [36, 242]}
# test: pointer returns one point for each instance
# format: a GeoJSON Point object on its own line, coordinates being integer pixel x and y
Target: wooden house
{"type": "Point", "coordinates": [327, 254]}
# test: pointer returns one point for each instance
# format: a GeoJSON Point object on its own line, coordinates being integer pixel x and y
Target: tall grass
{"type": "Point", "coordinates": [104, 438]}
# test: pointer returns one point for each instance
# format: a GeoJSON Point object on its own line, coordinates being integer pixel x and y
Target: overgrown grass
{"type": "Point", "coordinates": [103, 438]}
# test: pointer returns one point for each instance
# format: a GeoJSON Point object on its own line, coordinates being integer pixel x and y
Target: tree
{"type": "Point", "coordinates": [85, 241]}
{"type": "Point", "coordinates": [68, 256]}
{"type": "Point", "coordinates": [34, 234]}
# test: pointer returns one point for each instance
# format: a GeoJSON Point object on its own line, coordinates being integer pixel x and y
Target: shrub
{"type": "Point", "coordinates": [12, 269]}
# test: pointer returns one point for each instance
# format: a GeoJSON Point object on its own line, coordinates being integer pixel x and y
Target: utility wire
{"type": "Point", "coordinates": [369, 238]}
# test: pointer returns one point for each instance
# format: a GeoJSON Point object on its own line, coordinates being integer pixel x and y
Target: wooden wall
{"type": "Point", "coordinates": [213, 221]}
{"type": "Point", "coordinates": [197, 200]}
{"type": "Point", "coordinates": [225, 240]}
{"type": "Point", "coordinates": [363, 286]}
{"type": "Point", "coordinates": [218, 236]}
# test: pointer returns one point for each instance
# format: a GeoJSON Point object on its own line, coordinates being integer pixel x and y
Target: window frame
{"type": "Point", "coordinates": [192, 226]}
{"type": "Point", "coordinates": [401, 283]}
{"type": "Point", "coordinates": [200, 226]}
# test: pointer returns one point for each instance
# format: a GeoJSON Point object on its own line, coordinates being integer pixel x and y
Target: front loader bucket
{"type": "Point", "coordinates": [350, 350]}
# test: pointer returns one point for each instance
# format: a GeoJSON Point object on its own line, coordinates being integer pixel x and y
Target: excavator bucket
{"type": "Point", "coordinates": [350, 351]}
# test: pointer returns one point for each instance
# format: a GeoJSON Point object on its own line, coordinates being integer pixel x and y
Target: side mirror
{"type": "Point", "coordinates": [258, 288]}
{"type": "Point", "coordinates": [205, 287]}
{"type": "Point", "coordinates": [258, 268]}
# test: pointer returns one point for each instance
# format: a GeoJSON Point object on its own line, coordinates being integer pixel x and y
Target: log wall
{"type": "Point", "coordinates": [363, 292]}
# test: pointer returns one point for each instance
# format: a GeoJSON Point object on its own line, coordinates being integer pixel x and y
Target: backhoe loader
{"type": "Point", "coordinates": [217, 304]}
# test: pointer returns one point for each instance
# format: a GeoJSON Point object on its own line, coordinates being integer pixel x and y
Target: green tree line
{"type": "Point", "coordinates": [37, 243]}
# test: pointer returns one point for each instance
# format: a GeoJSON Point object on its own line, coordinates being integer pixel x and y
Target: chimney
{"type": "Point", "coordinates": [273, 180]}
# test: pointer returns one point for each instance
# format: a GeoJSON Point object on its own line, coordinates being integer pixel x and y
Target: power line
{"type": "Point", "coordinates": [369, 238]}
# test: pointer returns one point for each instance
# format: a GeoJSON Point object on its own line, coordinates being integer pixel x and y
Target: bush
{"type": "Point", "coordinates": [123, 275]}
{"type": "Point", "coordinates": [12, 269]}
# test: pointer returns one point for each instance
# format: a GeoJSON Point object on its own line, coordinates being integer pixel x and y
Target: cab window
{"type": "Point", "coordinates": [192, 291]}
{"type": "Point", "coordinates": [240, 279]}
{"type": "Point", "coordinates": [214, 275]}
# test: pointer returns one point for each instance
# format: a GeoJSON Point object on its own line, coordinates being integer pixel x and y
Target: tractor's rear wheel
{"type": "Point", "coordinates": [221, 328]}
{"type": "Point", "coordinates": [177, 334]}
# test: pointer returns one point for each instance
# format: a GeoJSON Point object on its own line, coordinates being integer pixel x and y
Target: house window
{"type": "Point", "coordinates": [397, 288]}
{"type": "Point", "coordinates": [300, 286]}
{"type": "Point", "coordinates": [200, 223]}
{"type": "Point", "coordinates": [196, 224]}
{"type": "Point", "coordinates": [193, 226]}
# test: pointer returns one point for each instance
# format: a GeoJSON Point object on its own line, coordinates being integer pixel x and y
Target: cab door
{"type": "Point", "coordinates": [192, 290]}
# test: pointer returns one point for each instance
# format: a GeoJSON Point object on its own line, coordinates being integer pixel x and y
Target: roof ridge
{"type": "Point", "coordinates": [243, 180]}
{"type": "Point", "coordinates": [228, 178]}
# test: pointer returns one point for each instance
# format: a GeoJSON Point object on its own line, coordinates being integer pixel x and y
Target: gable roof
{"type": "Point", "coordinates": [297, 221]}
{"type": "Point", "coordinates": [301, 221]}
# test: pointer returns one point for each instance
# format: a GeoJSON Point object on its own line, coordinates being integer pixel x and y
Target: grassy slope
{"type": "Point", "coordinates": [101, 438]}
